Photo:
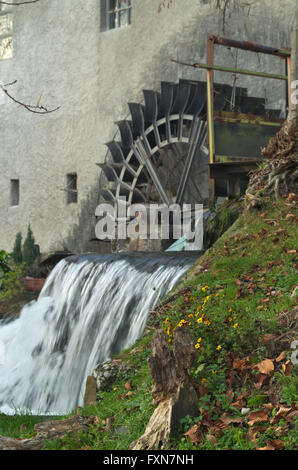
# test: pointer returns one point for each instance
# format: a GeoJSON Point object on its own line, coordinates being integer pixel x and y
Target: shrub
{"type": "Point", "coordinates": [4, 266]}
{"type": "Point", "coordinates": [17, 249]}
{"type": "Point", "coordinates": [12, 284]}
{"type": "Point", "coordinates": [30, 252]}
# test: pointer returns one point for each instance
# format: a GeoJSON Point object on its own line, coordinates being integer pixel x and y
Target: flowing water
{"type": "Point", "coordinates": [90, 308]}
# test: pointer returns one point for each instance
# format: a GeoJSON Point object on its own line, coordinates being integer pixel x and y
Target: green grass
{"type": "Point", "coordinates": [236, 291]}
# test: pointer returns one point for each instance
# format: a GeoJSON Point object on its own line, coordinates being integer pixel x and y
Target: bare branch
{"type": "Point", "coordinates": [37, 109]}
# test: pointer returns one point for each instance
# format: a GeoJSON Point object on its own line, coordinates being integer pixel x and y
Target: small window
{"type": "Point", "coordinates": [14, 192]}
{"type": "Point", "coordinates": [115, 14]}
{"type": "Point", "coordinates": [72, 188]}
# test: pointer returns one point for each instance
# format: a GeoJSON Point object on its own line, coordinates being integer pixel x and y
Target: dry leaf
{"type": "Point", "coordinates": [266, 366]}
{"type": "Point", "coordinates": [268, 406]}
{"type": "Point", "coordinates": [268, 337]}
{"type": "Point", "coordinates": [194, 435]}
{"type": "Point", "coordinates": [127, 386]}
{"type": "Point", "coordinates": [268, 447]}
{"type": "Point", "coordinates": [287, 368]}
{"type": "Point", "coordinates": [281, 357]}
{"type": "Point", "coordinates": [257, 417]}
{"type": "Point", "coordinates": [261, 380]}
{"type": "Point", "coordinates": [212, 439]}
{"type": "Point", "coordinates": [226, 420]}
{"type": "Point", "coordinates": [277, 444]}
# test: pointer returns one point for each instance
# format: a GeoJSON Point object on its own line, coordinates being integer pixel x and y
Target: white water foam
{"type": "Point", "coordinates": [90, 308]}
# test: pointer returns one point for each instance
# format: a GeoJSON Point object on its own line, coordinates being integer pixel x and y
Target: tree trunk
{"type": "Point", "coordinates": [174, 394]}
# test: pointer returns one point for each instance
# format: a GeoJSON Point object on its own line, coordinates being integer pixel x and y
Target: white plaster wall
{"type": "Point", "coordinates": [60, 51]}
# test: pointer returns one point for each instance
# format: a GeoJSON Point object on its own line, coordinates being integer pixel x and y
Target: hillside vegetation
{"type": "Point", "coordinates": [239, 303]}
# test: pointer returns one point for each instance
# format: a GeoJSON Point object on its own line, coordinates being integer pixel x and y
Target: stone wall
{"type": "Point", "coordinates": [61, 53]}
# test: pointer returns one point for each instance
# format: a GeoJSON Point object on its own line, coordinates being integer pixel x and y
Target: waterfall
{"type": "Point", "coordinates": [90, 308]}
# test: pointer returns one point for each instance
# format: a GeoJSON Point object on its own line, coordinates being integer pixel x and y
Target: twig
{"type": "Point", "coordinates": [37, 109]}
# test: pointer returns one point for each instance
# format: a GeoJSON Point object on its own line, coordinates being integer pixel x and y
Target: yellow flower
{"type": "Point", "coordinates": [208, 322]}
{"type": "Point", "coordinates": [199, 340]}
{"type": "Point", "coordinates": [167, 319]}
{"type": "Point", "coordinates": [204, 381]}
{"type": "Point", "coordinates": [218, 347]}
{"type": "Point", "coordinates": [235, 326]}
{"type": "Point", "coordinates": [214, 372]}
{"type": "Point", "coordinates": [197, 346]}
{"type": "Point", "coordinates": [200, 320]}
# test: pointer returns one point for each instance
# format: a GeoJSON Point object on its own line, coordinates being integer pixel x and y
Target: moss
{"type": "Point", "coordinates": [222, 219]}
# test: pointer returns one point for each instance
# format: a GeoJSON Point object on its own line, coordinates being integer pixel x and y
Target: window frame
{"type": "Point", "coordinates": [117, 11]}
{"type": "Point", "coordinates": [14, 192]}
{"type": "Point", "coordinates": [72, 194]}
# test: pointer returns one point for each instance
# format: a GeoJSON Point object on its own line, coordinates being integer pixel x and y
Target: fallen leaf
{"type": "Point", "coordinates": [194, 434]}
{"type": "Point", "coordinates": [226, 420]}
{"type": "Point", "coordinates": [292, 197]}
{"type": "Point", "coordinates": [266, 366]}
{"type": "Point", "coordinates": [127, 386]}
{"type": "Point", "coordinates": [282, 413]}
{"type": "Point", "coordinates": [277, 444]}
{"type": "Point", "coordinates": [268, 406]}
{"type": "Point", "coordinates": [292, 415]}
{"type": "Point", "coordinates": [268, 337]}
{"type": "Point", "coordinates": [257, 417]}
{"type": "Point", "coordinates": [94, 420]}
{"type": "Point", "coordinates": [268, 447]}
{"type": "Point", "coordinates": [212, 439]}
{"type": "Point", "coordinates": [287, 368]}
{"type": "Point", "coordinates": [253, 433]}
{"type": "Point", "coordinates": [281, 357]}
{"type": "Point", "coordinates": [261, 380]}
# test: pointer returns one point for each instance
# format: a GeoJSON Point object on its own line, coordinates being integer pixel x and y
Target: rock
{"type": "Point", "coordinates": [90, 392]}
{"type": "Point", "coordinates": [105, 374]}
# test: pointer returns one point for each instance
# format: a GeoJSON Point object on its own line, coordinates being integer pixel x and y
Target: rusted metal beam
{"type": "Point", "coordinates": [288, 65]}
{"type": "Point", "coordinates": [210, 111]}
{"type": "Point", "coordinates": [250, 46]}
{"type": "Point", "coordinates": [224, 170]}
{"type": "Point", "coordinates": [240, 71]}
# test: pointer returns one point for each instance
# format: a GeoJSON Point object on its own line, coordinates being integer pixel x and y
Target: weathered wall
{"type": "Point", "coordinates": [59, 51]}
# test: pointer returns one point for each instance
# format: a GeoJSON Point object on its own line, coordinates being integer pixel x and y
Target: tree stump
{"type": "Point", "coordinates": [175, 396]}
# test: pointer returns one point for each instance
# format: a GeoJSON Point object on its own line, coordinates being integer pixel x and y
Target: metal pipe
{"type": "Point", "coordinates": [251, 46]}
{"type": "Point", "coordinates": [239, 71]}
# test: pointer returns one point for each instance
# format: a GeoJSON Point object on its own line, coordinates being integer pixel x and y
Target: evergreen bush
{"type": "Point", "coordinates": [17, 249]}
{"type": "Point", "coordinates": [30, 252]}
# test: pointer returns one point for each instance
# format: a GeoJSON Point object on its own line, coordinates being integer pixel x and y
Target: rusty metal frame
{"type": "Point", "coordinates": [212, 40]}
